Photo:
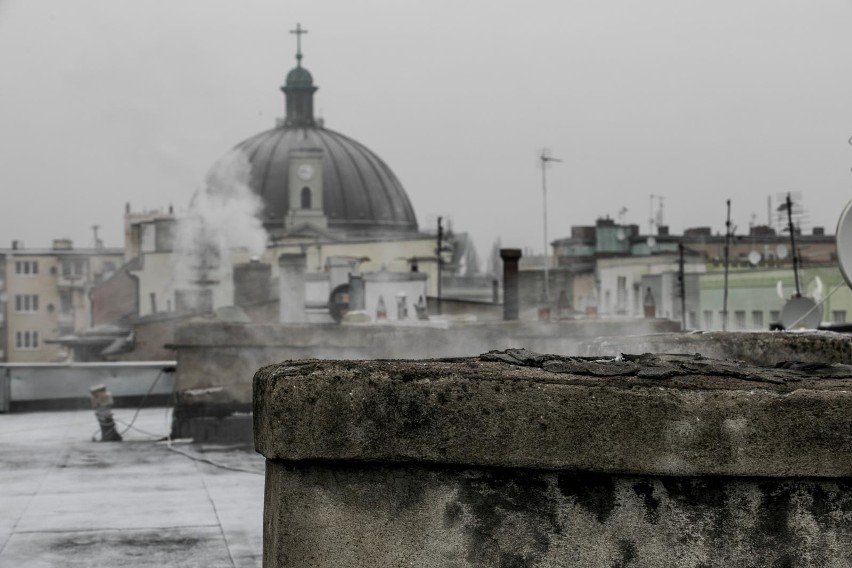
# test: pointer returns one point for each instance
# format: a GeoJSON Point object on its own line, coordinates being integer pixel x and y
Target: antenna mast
{"type": "Point", "coordinates": [655, 219]}
{"type": "Point", "coordinates": [792, 230]}
{"type": "Point", "coordinates": [727, 261]}
{"type": "Point", "coordinates": [546, 158]}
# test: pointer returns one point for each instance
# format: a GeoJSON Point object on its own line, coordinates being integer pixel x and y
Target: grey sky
{"type": "Point", "coordinates": [104, 102]}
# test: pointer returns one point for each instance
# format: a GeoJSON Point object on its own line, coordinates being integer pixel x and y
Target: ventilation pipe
{"type": "Point", "coordinates": [510, 258]}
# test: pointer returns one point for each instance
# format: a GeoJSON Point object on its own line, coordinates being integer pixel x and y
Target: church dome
{"type": "Point", "coordinates": [299, 77]}
{"type": "Point", "coordinates": [360, 192]}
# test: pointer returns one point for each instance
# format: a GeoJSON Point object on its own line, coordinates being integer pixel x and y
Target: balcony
{"type": "Point", "coordinates": [65, 321]}
{"type": "Point", "coordinates": [70, 281]}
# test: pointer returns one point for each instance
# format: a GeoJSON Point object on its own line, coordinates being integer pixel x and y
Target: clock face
{"type": "Point", "coordinates": [305, 172]}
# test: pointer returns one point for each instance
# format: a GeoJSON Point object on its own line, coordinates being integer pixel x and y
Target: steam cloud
{"type": "Point", "coordinates": [222, 216]}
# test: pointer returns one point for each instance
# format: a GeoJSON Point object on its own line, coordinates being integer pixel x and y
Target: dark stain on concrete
{"type": "Point", "coordinates": [594, 492]}
{"type": "Point", "coordinates": [138, 542]}
{"type": "Point", "coordinates": [508, 560]}
{"type": "Point", "coordinates": [773, 530]}
{"type": "Point", "coordinates": [516, 498]}
{"type": "Point", "coordinates": [700, 492]}
{"type": "Point", "coordinates": [645, 489]}
{"type": "Point", "coordinates": [627, 550]}
{"type": "Point", "coordinates": [452, 514]}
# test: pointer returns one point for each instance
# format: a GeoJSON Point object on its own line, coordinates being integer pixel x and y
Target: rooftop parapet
{"type": "Point", "coordinates": [661, 415]}
{"type": "Point", "coordinates": [519, 459]}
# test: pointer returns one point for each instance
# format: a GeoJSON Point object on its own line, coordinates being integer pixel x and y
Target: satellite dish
{"type": "Point", "coordinates": [621, 234]}
{"type": "Point", "coordinates": [651, 241]}
{"type": "Point", "coordinates": [781, 251]}
{"type": "Point", "coordinates": [843, 241]}
{"type": "Point", "coordinates": [754, 258]}
{"type": "Point", "coordinates": [801, 313]}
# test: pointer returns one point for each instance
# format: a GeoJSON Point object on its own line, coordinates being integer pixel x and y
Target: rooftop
{"type": "Point", "coordinates": [69, 501]}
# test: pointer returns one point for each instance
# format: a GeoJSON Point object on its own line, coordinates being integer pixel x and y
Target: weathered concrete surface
{"type": "Point", "coordinates": [354, 515]}
{"type": "Point", "coordinates": [516, 459]}
{"type": "Point", "coordinates": [67, 501]}
{"type": "Point", "coordinates": [753, 347]}
{"type": "Point", "coordinates": [476, 412]}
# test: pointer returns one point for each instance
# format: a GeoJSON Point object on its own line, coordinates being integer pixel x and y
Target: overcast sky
{"type": "Point", "coordinates": [107, 102]}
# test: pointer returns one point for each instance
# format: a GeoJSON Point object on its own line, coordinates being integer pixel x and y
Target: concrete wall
{"type": "Point", "coordinates": [755, 348]}
{"type": "Point", "coordinates": [217, 360]}
{"type": "Point", "coordinates": [227, 355]}
{"type": "Point", "coordinates": [481, 463]}
{"type": "Point", "coordinates": [46, 384]}
{"type": "Point", "coordinates": [115, 299]}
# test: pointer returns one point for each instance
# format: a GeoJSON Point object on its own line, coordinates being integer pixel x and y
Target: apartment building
{"type": "Point", "coordinates": [45, 293]}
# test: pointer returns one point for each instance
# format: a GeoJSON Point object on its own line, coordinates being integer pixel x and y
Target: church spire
{"type": "Point", "coordinates": [298, 31]}
{"type": "Point", "coordinates": [299, 89]}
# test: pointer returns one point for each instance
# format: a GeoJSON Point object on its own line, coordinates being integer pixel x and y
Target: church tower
{"type": "Point", "coordinates": [306, 189]}
{"type": "Point", "coordinates": [299, 90]}
{"type": "Point", "coordinates": [305, 163]}
{"type": "Point", "coordinates": [309, 176]}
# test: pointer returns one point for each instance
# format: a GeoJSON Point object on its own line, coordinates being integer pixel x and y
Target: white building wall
{"type": "Point", "coordinates": [632, 269]}
{"type": "Point", "coordinates": [393, 291]}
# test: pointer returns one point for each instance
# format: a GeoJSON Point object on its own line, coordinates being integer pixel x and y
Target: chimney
{"type": "Point", "coordinates": [357, 295]}
{"type": "Point", "coordinates": [510, 258]}
{"type": "Point", "coordinates": [662, 230]}
{"type": "Point", "coordinates": [649, 304]}
{"type": "Point", "coordinates": [819, 231]}
{"type": "Point", "coordinates": [251, 282]}
{"type": "Point", "coordinates": [292, 288]}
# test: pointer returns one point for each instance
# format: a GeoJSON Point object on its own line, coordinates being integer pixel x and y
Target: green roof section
{"type": "Point", "coordinates": [299, 78]}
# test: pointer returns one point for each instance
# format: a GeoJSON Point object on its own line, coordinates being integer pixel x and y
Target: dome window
{"type": "Point", "coordinates": [306, 197]}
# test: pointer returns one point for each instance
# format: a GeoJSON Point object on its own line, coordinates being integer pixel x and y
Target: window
{"type": "Point", "coordinates": [73, 268]}
{"type": "Point", "coordinates": [26, 267]}
{"type": "Point", "coordinates": [26, 340]}
{"type": "Point", "coordinates": [708, 319]}
{"type": "Point", "coordinates": [66, 301]}
{"type": "Point", "coordinates": [740, 319]}
{"type": "Point", "coordinates": [838, 316]}
{"type": "Point", "coordinates": [774, 315]}
{"type": "Point", "coordinates": [306, 197]}
{"type": "Point", "coordinates": [692, 320]}
{"type": "Point", "coordinates": [26, 302]}
{"type": "Point", "coordinates": [757, 319]}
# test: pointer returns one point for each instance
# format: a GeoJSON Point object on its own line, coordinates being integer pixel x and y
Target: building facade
{"type": "Point", "coordinates": [619, 272]}
{"type": "Point", "coordinates": [46, 294]}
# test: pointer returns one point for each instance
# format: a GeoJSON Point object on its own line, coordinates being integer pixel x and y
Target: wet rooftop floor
{"type": "Point", "coordinates": [68, 501]}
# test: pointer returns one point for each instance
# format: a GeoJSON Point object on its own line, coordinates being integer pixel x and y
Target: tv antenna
{"type": "Point", "coordinates": [800, 312]}
{"type": "Point", "coordinates": [655, 219]}
{"type": "Point", "coordinates": [728, 235]}
{"type": "Point", "coordinates": [788, 204]}
{"type": "Point", "coordinates": [544, 159]}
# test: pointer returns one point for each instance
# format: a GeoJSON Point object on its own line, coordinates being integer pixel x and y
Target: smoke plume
{"type": "Point", "coordinates": [222, 216]}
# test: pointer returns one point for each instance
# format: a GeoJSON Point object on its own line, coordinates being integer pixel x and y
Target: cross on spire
{"type": "Point", "coordinates": [298, 31]}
